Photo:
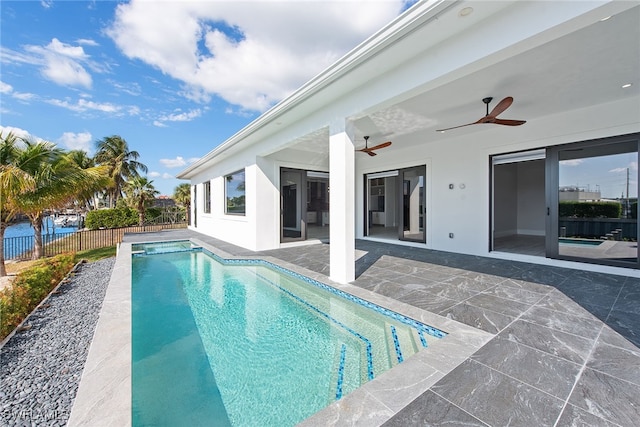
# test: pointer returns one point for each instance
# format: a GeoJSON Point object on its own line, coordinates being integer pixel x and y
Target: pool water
{"type": "Point", "coordinates": [245, 343]}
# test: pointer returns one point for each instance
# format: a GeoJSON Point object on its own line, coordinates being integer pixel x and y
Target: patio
{"type": "Point", "coordinates": [566, 342]}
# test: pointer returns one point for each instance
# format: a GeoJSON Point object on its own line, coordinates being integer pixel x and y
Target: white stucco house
{"type": "Point", "coordinates": [488, 189]}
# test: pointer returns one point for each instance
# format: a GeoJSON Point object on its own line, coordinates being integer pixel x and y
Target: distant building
{"type": "Point", "coordinates": [576, 194]}
{"type": "Point", "coordinates": [164, 202]}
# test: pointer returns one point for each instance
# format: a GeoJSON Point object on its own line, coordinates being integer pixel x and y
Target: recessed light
{"type": "Point", "coordinates": [441, 131]}
{"type": "Point", "coordinates": [605, 18]}
{"type": "Point", "coordinates": [626, 85]}
{"type": "Point", "coordinates": [465, 12]}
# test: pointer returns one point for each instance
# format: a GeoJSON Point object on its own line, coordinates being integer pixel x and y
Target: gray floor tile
{"type": "Point", "coordinates": [607, 397]}
{"type": "Point", "coordinates": [557, 343]}
{"type": "Point", "coordinates": [458, 292]}
{"type": "Point", "coordinates": [429, 409]}
{"type": "Point", "coordinates": [616, 362]}
{"type": "Point", "coordinates": [576, 417]}
{"type": "Point", "coordinates": [486, 320]}
{"type": "Point", "coordinates": [626, 324]}
{"type": "Point", "coordinates": [588, 328]}
{"type": "Point", "coordinates": [527, 286]}
{"type": "Point", "coordinates": [628, 300]}
{"type": "Point", "coordinates": [514, 294]}
{"type": "Point", "coordinates": [541, 370]}
{"type": "Point", "coordinates": [611, 337]}
{"type": "Point", "coordinates": [427, 301]}
{"type": "Point", "coordinates": [558, 301]}
{"type": "Point", "coordinates": [499, 305]}
{"type": "Point", "coordinates": [497, 399]}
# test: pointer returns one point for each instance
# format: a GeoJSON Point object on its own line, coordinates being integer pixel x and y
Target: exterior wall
{"type": "Point", "coordinates": [465, 160]}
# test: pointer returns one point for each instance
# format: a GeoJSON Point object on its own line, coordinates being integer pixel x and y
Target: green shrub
{"type": "Point", "coordinates": [111, 218]}
{"type": "Point", "coordinates": [29, 288]}
{"type": "Point", "coordinates": [590, 209]}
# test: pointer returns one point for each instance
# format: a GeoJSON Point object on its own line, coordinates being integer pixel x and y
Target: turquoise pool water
{"type": "Point", "coordinates": [245, 343]}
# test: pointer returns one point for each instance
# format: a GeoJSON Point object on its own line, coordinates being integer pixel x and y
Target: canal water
{"type": "Point", "coordinates": [24, 229]}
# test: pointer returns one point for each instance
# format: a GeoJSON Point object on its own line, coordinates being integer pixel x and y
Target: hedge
{"type": "Point", "coordinates": [111, 218]}
{"type": "Point", "coordinates": [590, 209]}
{"type": "Point", "coordinates": [29, 288]}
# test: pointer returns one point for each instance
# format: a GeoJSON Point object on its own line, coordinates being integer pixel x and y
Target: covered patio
{"type": "Point", "coordinates": [565, 346]}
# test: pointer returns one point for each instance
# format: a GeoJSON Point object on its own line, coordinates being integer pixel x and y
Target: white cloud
{"type": "Point", "coordinates": [251, 60]}
{"type": "Point", "coordinates": [160, 175]}
{"type": "Point", "coordinates": [178, 162]}
{"type": "Point", "coordinates": [572, 162]}
{"type": "Point", "coordinates": [63, 63]}
{"type": "Point", "coordinates": [182, 116]}
{"type": "Point", "coordinates": [82, 105]}
{"type": "Point", "coordinates": [20, 133]}
{"type": "Point", "coordinates": [7, 89]}
{"type": "Point", "coordinates": [633, 166]}
{"type": "Point", "coordinates": [76, 141]}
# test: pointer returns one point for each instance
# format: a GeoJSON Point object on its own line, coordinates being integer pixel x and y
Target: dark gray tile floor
{"type": "Point", "coordinates": [566, 347]}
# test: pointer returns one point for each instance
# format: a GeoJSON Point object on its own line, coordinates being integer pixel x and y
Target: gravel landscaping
{"type": "Point", "coordinates": [40, 367]}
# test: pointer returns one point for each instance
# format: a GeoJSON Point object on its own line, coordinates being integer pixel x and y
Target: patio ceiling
{"type": "Point", "coordinates": [580, 69]}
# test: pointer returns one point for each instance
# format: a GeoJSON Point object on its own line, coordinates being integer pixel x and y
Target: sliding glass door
{"type": "Point", "coordinates": [576, 202]}
{"type": "Point", "coordinates": [304, 198]}
{"type": "Point", "coordinates": [395, 204]}
{"type": "Point", "coordinates": [412, 205]}
{"type": "Point", "coordinates": [593, 202]}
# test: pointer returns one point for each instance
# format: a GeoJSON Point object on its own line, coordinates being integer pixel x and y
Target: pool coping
{"type": "Point", "coordinates": [104, 393]}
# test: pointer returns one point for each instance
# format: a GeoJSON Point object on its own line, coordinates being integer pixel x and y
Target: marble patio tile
{"type": "Point", "coordinates": [541, 370]}
{"type": "Point", "coordinates": [457, 292]}
{"type": "Point", "coordinates": [359, 408]}
{"type": "Point", "coordinates": [597, 281]}
{"type": "Point", "coordinates": [499, 305]}
{"type": "Point", "coordinates": [483, 277]}
{"type": "Point", "coordinates": [527, 286]}
{"type": "Point", "coordinates": [514, 294]}
{"type": "Point", "coordinates": [427, 301]}
{"type": "Point", "coordinates": [469, 283]}
{"type": "Point", "coordinates": [582, 326]}
{"type": "Point", "coordinates": [611, 337]}
{"type": "Point", "coordinates": [429, 409]}
{"type": "Point", "coordinates": [409, 280]}
{"type": "Point", "coordinates": [390, 289]}
{"type": "Point", "coordinates": [628, 300]}
{"type": "Point", "coordinates": [616, 362]}
{"type": "Point", "coordinates": [544, 275]}
{"type": "Point", "coordinates": [607, 397]}
{"type": "Point", "coordinates": [558, 301]}
{"type": "Point", "coordinates": [568, 346]}
{"type": "Point", "coordinates": [434, 276]}
{"type": "Point", "coordinates": [626, 324]}
{"type": "Point", "coordinates": [486, 320]}
{"type": "Point", "coordinates": [576, 417]}
{"type": "Point", "coordinates": [497, 399]}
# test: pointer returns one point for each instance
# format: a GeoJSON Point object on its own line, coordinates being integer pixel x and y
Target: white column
{"type": "Point", "coordinates": [342, 249]}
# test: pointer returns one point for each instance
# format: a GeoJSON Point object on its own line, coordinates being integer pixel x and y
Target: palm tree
{"type": "Point", "coordinates": [57, 180]}
{"type": "Point", "coordinates": [84, 161]}
{"type": "Point", "coordinates": [13, 181]}
{"type": "Point", "coordinates": [182, 196]}
{"type": "Point", "coordinates": [113, 151]}
{"type": "Point", "coordinates": [140, 191]}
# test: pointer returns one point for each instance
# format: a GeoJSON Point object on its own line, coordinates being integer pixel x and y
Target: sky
{"type": "Point", "coordinates": [173, 78]}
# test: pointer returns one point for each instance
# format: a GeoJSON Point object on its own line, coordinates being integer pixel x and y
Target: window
{"type": "Point", "coordinates": [235, 193]}
{"type": "Point", "coordinates": [207, 196]}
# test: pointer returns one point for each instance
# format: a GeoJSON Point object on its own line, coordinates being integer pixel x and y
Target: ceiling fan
{"type": "Point", "coordinates": [369, 150]}
{"type": "Point", "coordinates": [492, 117]}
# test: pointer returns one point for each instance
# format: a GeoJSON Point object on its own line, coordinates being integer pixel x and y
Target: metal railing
{"type": "Point", "coordinates": [21, 248]}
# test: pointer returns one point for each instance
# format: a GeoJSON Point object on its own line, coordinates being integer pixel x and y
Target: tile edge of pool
{"type": "Point", "coordinates": [104, 393]}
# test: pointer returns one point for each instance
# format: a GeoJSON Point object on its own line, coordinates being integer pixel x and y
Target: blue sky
{"type": "Point", "coordinates": [173, 78]}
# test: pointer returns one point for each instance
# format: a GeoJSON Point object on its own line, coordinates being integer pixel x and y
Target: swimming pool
{"type": "Point", "coordinates": [246, 342]}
